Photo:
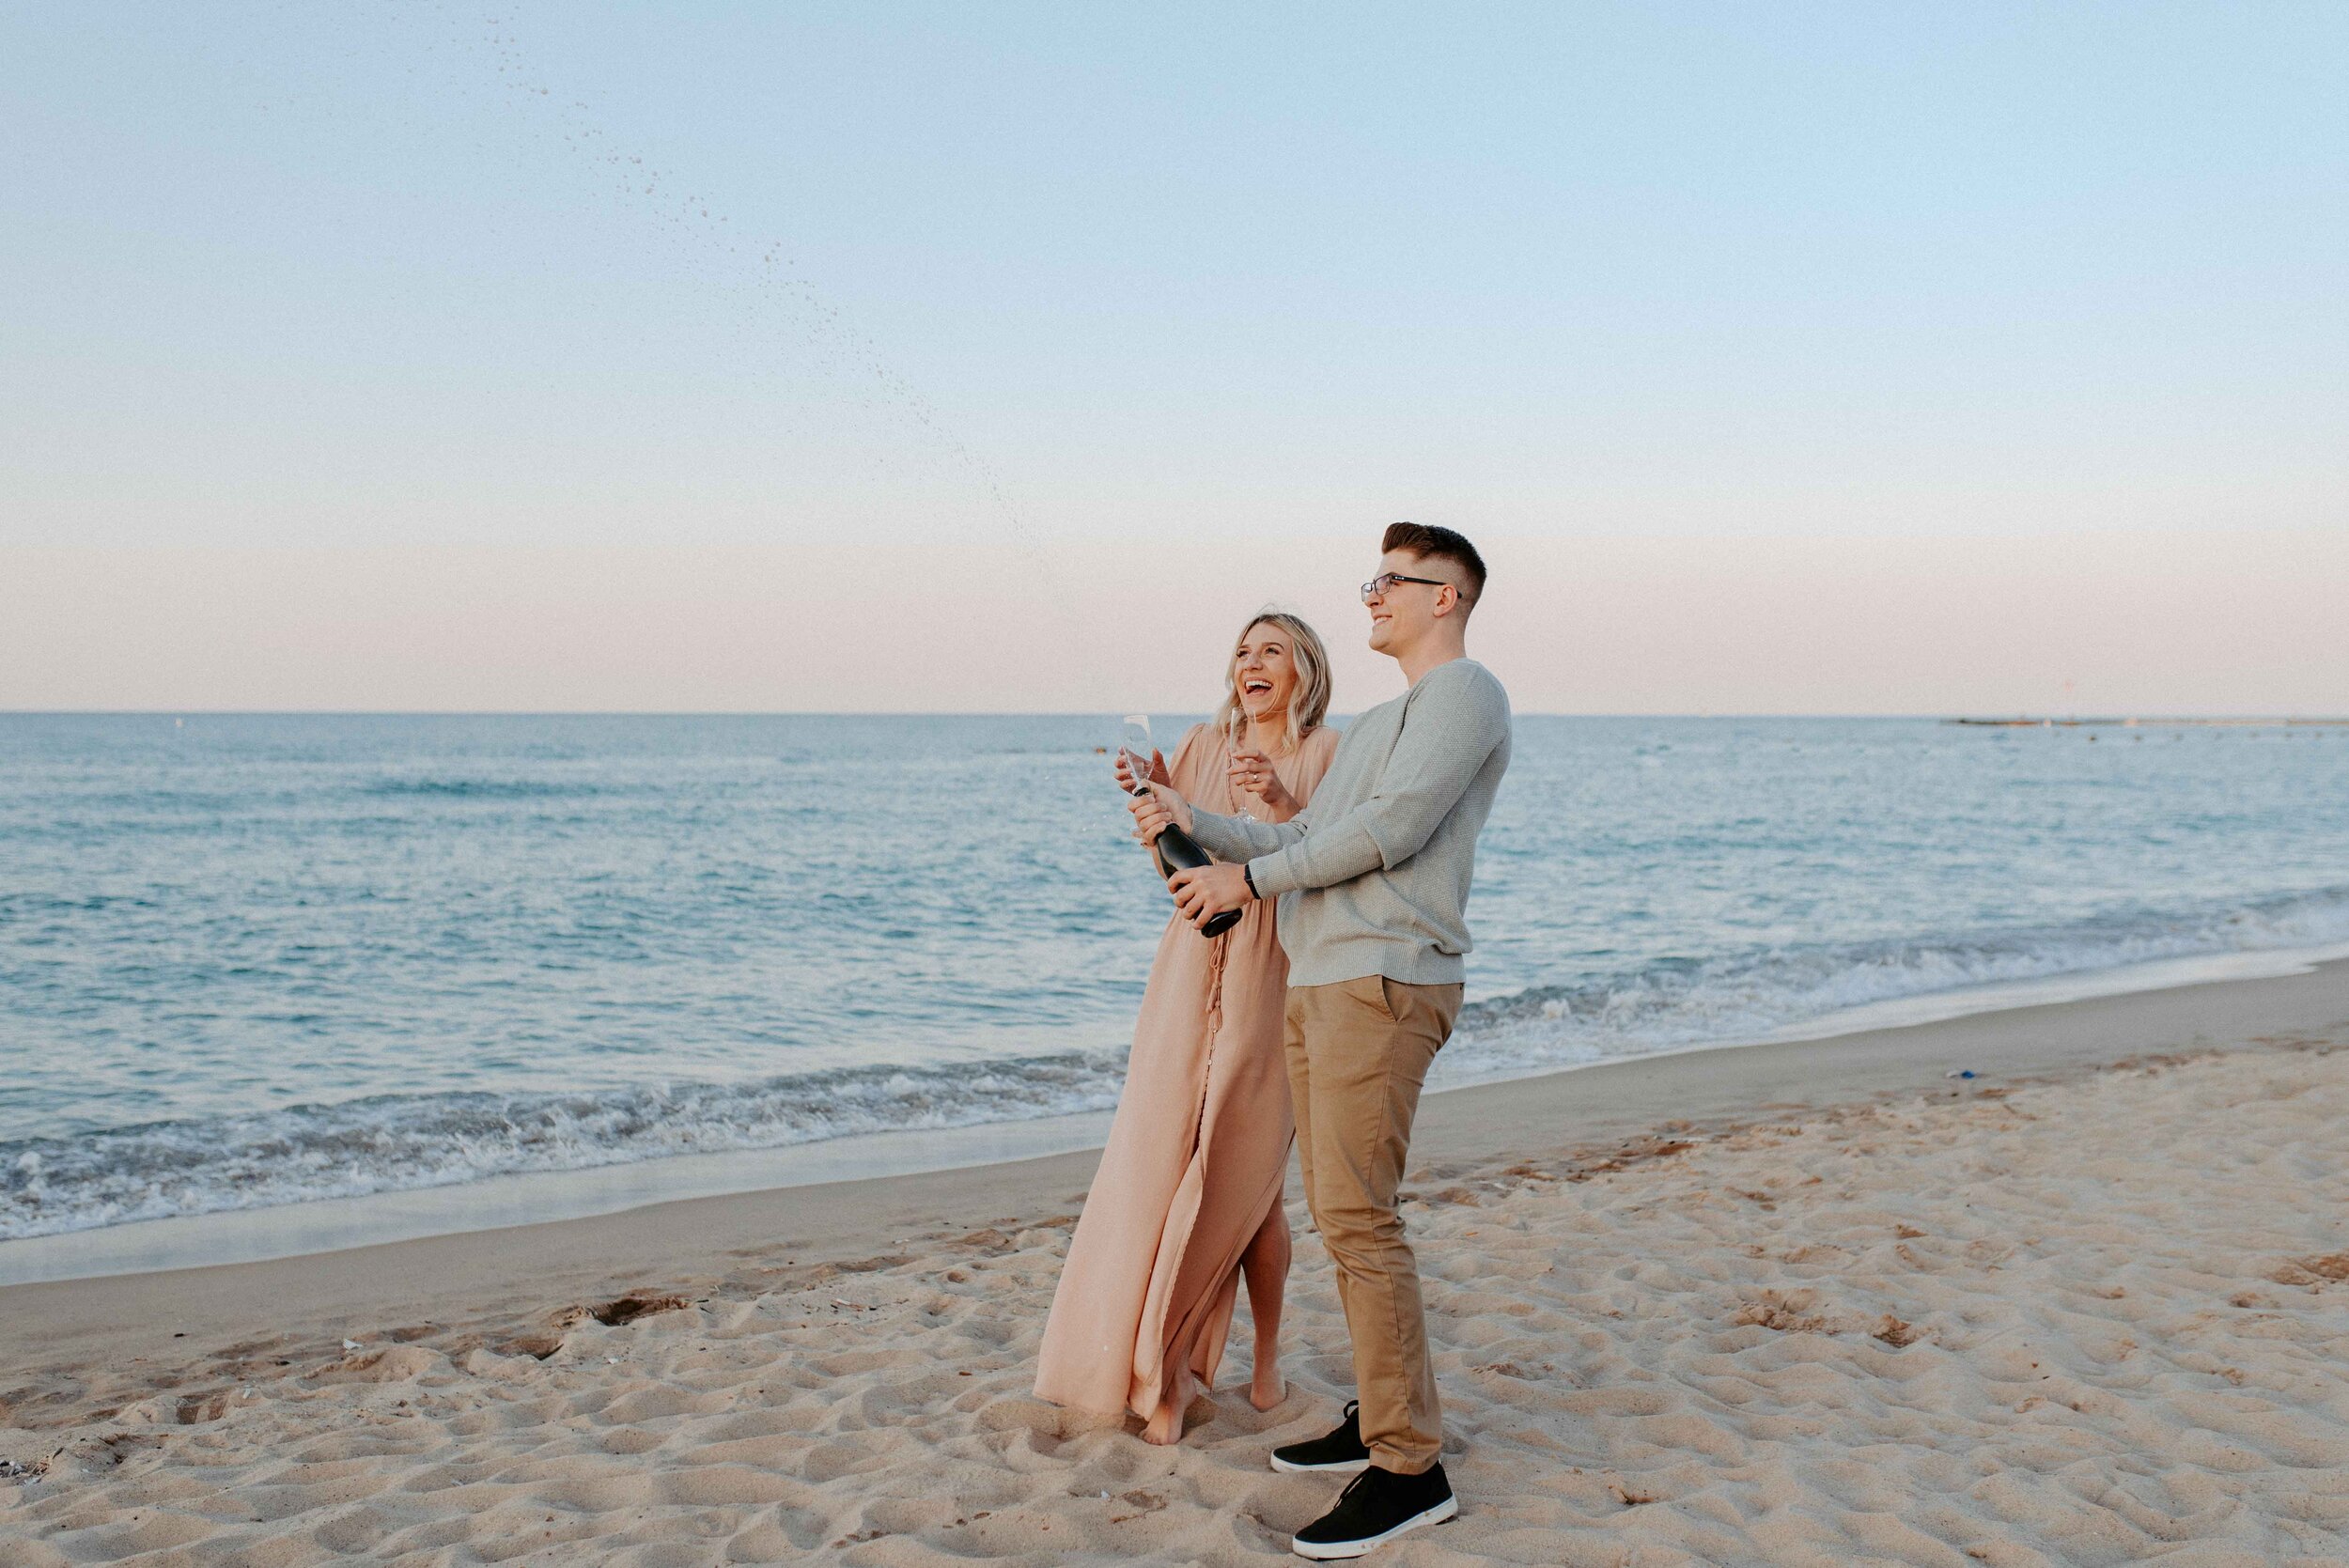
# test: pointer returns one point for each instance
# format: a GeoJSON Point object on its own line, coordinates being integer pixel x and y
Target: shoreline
{"type": "Point", "coordinates": [519, 1199]}
{"type": "Point", "coordinates": [185, 1313]}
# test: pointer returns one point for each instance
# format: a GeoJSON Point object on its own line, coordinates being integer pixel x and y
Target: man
{"type": "Point", "coordinates": [1373, 879]}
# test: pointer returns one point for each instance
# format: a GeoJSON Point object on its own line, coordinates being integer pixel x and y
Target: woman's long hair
{"type": "Point", "coordinates": [1308, 705]}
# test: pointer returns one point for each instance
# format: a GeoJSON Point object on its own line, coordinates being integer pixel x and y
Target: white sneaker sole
{"type": "Point", "coordinates": [1343, 1467]}
{"type": "Point", "coordinates": [1333, 1550]}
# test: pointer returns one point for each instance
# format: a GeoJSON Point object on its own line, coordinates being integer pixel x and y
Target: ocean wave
{"type": "Point", "coordinates": [1753, 994]}
{"type": "Point", "coordinates": [399, 1142]}
{"type": "Point", "coordinates": [480, 789]}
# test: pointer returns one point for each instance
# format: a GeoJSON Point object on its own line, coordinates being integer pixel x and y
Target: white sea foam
{"type": "Point", "coordinates": [401, 1142]}
{"type": "Point", "coordinates": [1761, 994]}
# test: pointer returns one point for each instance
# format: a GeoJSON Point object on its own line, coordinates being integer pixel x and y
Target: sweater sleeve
{"type": "Point", "coordinates": [1452, 725]}
{"type": "Point", "coordinates": [1227, 838]}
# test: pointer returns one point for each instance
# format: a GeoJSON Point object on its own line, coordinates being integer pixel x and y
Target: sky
{"type": "Point", "coordinates": [1859, 358]}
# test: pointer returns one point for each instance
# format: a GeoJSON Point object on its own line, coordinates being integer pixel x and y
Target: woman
{"type": "Point", "coordinates": [1188, 1198]}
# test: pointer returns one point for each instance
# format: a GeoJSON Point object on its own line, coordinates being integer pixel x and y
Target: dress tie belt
{"type": "Point", "coordinates": [1214, 985]}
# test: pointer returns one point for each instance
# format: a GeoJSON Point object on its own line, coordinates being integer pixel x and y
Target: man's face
{"type": "Point", "coordinates": [1403, 615]}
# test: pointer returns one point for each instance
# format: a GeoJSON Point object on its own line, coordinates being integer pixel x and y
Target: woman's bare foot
{"type": "Point", "coordinates": [1165, 1427]}
{"type": "Point", "coordinates": [1267, 1390]}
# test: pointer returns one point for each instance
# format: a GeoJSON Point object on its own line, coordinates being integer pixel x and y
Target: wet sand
{"type": "Point", "coordinates": [1799, 1303]}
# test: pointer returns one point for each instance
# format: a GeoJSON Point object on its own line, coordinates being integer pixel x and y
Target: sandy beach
{"type": "Point", "coordinates": [1810, 1303]}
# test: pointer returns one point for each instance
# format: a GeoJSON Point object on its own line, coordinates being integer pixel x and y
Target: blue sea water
{"type": "Point", "coordinates": [252, 960]}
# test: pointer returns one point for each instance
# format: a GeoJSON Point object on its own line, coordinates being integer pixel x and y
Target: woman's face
{"type": "Point", "coordinates": [1264, 672]}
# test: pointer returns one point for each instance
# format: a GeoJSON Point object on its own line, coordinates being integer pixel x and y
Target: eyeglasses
{"type": "Point", "coordinates": [1378, 586]}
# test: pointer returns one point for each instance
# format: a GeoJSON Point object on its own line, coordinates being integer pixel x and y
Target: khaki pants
{"type": "Point", "coordinates": [1357, 1052]}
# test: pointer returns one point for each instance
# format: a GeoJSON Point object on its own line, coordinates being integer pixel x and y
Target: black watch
{"type": "Point", "coordinates": [1249, 876]}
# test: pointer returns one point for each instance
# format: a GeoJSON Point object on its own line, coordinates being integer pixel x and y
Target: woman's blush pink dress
{"type": "Point", "coordinates": [1198, 1150]}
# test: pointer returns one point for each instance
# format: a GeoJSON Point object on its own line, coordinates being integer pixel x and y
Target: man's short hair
{"type": "Point", "coordinates": [1431, 543]}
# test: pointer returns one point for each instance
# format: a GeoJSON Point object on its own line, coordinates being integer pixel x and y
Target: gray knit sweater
{"type": "Point", "coordinates": [1372, 876]}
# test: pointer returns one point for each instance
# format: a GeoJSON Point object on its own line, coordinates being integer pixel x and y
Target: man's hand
{"type": "Point", "coordinates": [1157, 811]}
{"type": "Point", "coordinates": [1206, 892]}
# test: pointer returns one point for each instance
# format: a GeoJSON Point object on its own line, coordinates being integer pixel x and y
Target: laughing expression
{"type": "Point", "coordinates": [1264, 672]}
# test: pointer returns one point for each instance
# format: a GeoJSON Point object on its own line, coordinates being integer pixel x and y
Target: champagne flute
{"type": "Point", "coordinates": [1235, 738]}
{"type": "Point", "coordinates": [1138, 749]}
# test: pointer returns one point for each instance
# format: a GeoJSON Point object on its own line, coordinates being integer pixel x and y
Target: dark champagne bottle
{"type": "Point", "coordinates": [1178, 851]}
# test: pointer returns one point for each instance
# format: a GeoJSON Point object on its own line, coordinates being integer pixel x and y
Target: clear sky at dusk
{"type": "Point", "coordinates": [1789, 358]}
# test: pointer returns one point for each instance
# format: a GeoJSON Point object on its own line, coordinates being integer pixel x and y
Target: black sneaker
{"type": "Point", "coordinates": [1376, 1507]}
{"type": "Point", "coordinates": [1340, 1452]}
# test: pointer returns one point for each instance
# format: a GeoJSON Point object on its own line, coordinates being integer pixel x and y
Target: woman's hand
{"type": "Point", "coordinates": [1157, 811]}
{"type": "Point", "coordinates": [1125, 775]}
{"type": "Point", "coordinates": [1252, 771]}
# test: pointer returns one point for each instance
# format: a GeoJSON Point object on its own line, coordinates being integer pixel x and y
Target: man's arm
{"type": "Point", "coordinates": [1446, 736]}
{"type": "Point", "coordinates": [1221, 885]}
{"type": "Point", "coordinates": [1228, 838]}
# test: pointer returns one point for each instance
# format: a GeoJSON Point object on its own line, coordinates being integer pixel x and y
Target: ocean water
{"type": "Point", "coordinates": [248, 961]}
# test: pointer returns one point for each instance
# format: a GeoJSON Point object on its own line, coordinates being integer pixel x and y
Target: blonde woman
{"type": "Point", "coordinates": [1187, 1200]}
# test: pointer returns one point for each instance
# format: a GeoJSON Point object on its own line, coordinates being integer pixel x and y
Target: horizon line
{"type": "Point", "coordinates": [1982, 719]}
